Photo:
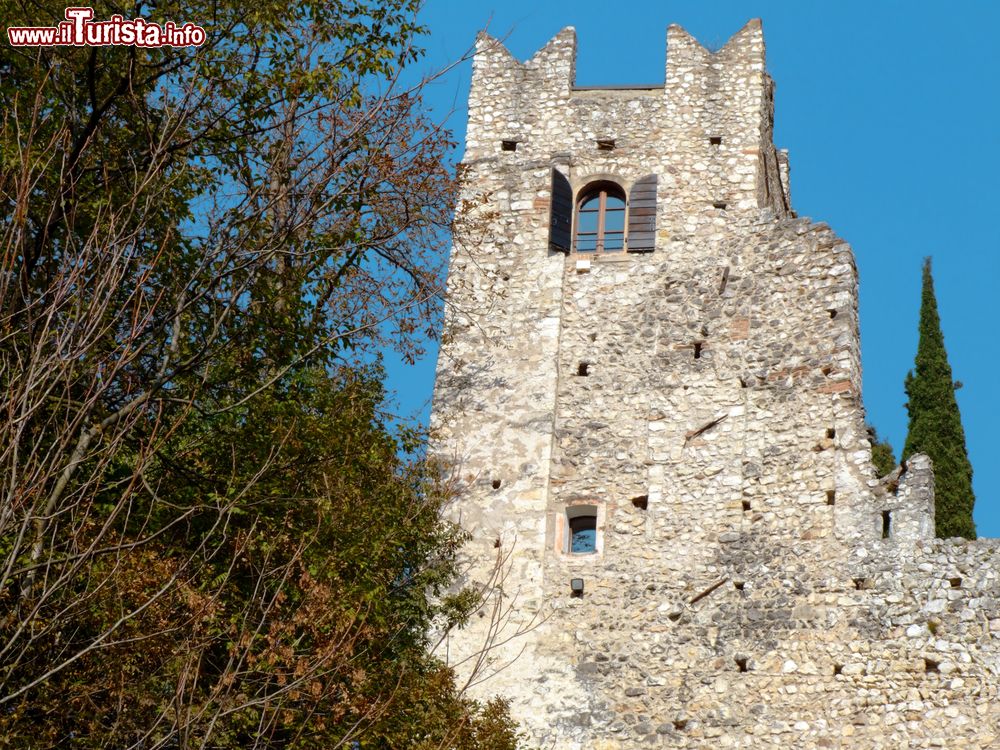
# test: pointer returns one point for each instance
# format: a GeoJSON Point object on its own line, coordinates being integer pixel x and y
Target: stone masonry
{"type": "Point", "coordinates": [754, 584]}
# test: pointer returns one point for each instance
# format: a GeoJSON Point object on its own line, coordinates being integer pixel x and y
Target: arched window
{"type": "Point", "coordinates": [600, 219]}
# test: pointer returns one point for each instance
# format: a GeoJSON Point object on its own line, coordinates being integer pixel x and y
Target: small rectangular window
{"type": "Point", "coordinates": [715, 140]}
{"type": "Point", "coordinates": [583, 535]}
{"type": "Point", "coordinates": [508, 145]}
{"type": "Point", "coordinates": [605, 144]}
{"type": "Point", "coordinates": [580, 533]}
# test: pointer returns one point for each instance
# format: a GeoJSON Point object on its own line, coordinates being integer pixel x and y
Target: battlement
{"type": "Point", "coordinates": [554, 65]}
{"type": "Point", "coordinates": [714, 114]}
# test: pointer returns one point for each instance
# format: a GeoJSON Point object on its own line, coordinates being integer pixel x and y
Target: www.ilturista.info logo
{"type": "Point", "coordinates": [78, 30]}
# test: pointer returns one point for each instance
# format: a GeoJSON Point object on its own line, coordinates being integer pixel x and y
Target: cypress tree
{"type": "Point", "coordinates": [883, 456]}
{"type": "Point", "coordinates": [935, 423]}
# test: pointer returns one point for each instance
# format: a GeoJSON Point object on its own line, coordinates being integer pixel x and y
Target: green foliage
{"type": "Point", "coordinates": [883, 456]}
{"type": "Point", "coordinates": [936, 424]}
{"type": "Point", "coordinates": [211, 536]}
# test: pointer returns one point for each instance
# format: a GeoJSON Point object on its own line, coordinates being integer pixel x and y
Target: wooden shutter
{"type": "Point", "coordinates": [561, 220]}
{"type": "Point", "coordinates": [642, 216]}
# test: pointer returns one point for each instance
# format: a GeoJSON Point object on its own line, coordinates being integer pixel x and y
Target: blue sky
{"type": "Point", "coordinates": [889, 111]}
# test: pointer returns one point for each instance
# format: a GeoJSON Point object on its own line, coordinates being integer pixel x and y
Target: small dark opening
{"type": "Point", "coordinates": [680, 724]}
{"type": "Point", "coordinates": [833, 314]}
{"type": "Point", "coordinates": [956, 583]}
{"type": "Point", "coordinates": [831, 433]}
{"type": "Point", "coordinates": [641, 502]}
{"type": "Point", "coordinates": [831, 497]}
{"type": "Point", "coordinates": [697, 350]}
{"type": "Point", "coordinates": [886, 523]}
{"type": "Point", "coordinates": [741, 662]}
{"type": "Point", "coordinates": [508, 145]}
{"type": "Point", "coordinates": [837, 669]}
{"type": "Point", "coordinates": [860, 583]}
{"type": "Point", "coordinates": [724, 280]}
{"type": "Point", "coordinates": [743, 383]}
{"type": "Point", "coordinates": [930, 665]}
{"type": "Point", "coordinates": [739, 585]}
{"type": "Point", "coordinates": [583, 535]}
{"type": "Point", "coordinates": [674, 616]}
{"type": "Point", "coordinates": [496, 543]}
{"type": "Point", "coordinates": [496, 484]}
{"type": "Point", "coordinates": [583, 369]}
{"type": "Point", "coordinates": [719, 204]}
{"type": "Point", "coordinates": [606, 144]}
{"type": "Point", "coordinates": [746, 505]}
{"type": "Point", "coordinates": [715, 140]}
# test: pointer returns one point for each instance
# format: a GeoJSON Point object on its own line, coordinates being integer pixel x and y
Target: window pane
{"type": "Point", "coordinates": [587, 221]}
{"type": "Point", "coordinates": [583, 530]}
{"type": "Point", "coordinates": [614, 221]}
{"type": "Point", "coordinates": [614, 241]}
{"type": "Point", "coordinates": [615, 202]}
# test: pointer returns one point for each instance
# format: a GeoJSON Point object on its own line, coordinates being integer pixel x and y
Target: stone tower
{"type": "Point", "coordinates": [649, 394]}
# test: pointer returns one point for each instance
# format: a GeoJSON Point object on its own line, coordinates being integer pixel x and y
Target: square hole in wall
{"type": "Point", "coordinates": [886, 524]}
{"type": "Point", "coordinates": [641, 502]}
{"type": "Point", "coordinates": [605, 144]}
{"type": "Point", "coordinates": [831, 497]}
{"type": "Point", "coordinates": [719, 204]}
{"type": "Point", "coordinates": [715, 140]}
{"type": "Point", "coordinates": [583, 369]}
{"type": "Point", "coordinates": [508, 145]}
{"type": "Point", "coordinates": [746, 505]}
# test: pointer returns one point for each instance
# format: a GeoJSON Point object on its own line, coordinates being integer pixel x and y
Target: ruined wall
{"type": "Point", "coordinates": [754, 585]}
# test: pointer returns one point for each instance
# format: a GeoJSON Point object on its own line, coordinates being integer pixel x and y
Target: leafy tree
{"type": "Point", "coordinates": [207, 535]}
{"type": "Point", "coordinates": [883, 456]}
{"type": "Point", "coordinates": [936, 424]}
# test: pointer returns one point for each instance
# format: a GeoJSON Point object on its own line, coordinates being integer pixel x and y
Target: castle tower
{"type": "Point", "coordinates": [649, 391]}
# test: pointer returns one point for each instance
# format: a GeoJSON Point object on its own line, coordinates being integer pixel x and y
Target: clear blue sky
{"type": "Point", "coordinates": [889, 111]}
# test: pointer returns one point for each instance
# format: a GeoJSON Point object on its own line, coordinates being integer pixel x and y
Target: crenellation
{"type": "Point", "coordinates": [686, 407]}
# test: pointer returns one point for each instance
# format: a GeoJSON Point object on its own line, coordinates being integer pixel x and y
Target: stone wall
{"type": "Point", "coordinates": [755, 585]}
